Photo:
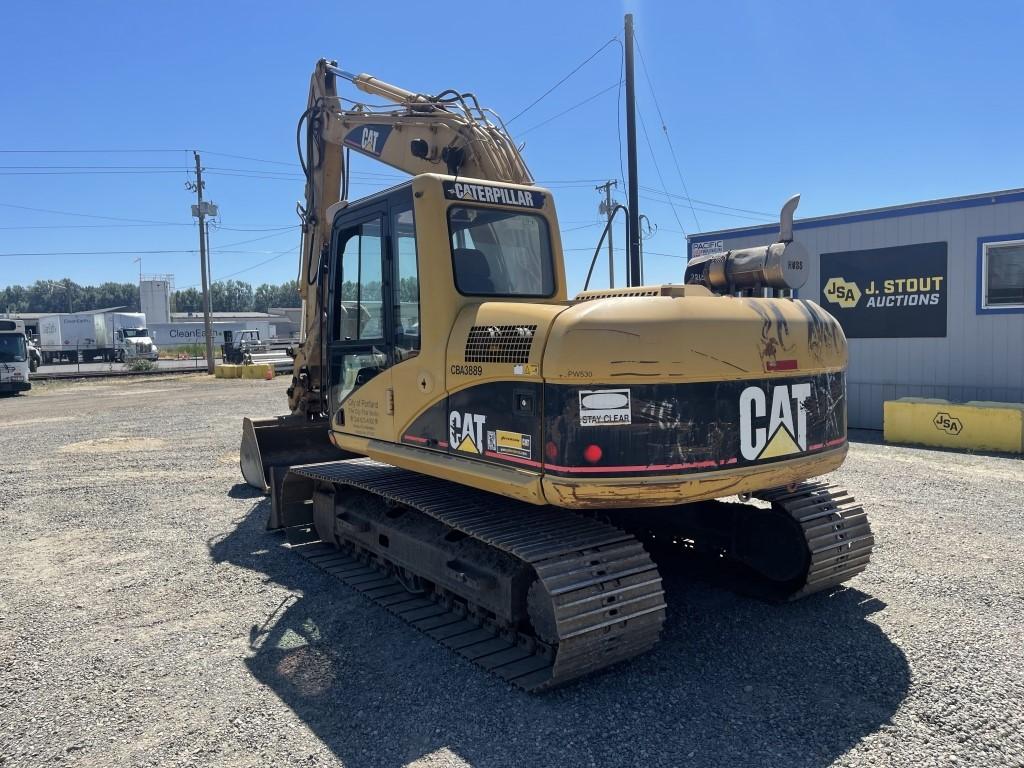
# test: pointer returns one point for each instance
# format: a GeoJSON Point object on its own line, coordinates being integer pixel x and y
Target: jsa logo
{"type": "Point", "coordinates": [466, 431]}
{"type": "Point", "coordinates": [778, 427]}
{"type": "Point", "coordinates": [840, 292]}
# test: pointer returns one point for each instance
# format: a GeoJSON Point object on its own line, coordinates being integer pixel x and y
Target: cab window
{"type": "Point", "coordinates": [500, 253]}
{"type": "Point", "coordinates": [407, 285]}
{"type": "Point", "coordinates": [359, 308]}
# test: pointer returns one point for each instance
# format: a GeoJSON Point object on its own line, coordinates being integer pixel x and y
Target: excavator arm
{"type": "Point", "coordinates": [412, 132]}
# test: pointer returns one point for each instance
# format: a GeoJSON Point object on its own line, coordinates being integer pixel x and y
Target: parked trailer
{"type": "Point", "coordinates": [62, 336]}
{"type": "Point", "coordinates": [105, 336]}
{"type": "Point", "coordinates": [13, 357]}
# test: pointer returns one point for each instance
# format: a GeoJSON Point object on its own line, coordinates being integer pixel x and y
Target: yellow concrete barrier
{"type": "Point", "coordinates": [254, 371]}
{"type": "Point", "coordinates": [975, 425]}
{"type": "Point", "coordinates": [257, 371]}
{"type": "Point", "coordinates": [226, 371]}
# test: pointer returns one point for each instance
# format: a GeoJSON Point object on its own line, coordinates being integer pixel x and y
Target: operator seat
{"type": "Point", "coordinates": [472, 272]}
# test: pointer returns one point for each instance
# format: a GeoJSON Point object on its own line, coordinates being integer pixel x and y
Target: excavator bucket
{"type": "Point", "coordinates": [282, 441]}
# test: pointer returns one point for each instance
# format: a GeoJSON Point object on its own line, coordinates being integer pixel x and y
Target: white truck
{"type": "Point", "coordinates": [13, 357]}
{"type": "Point", "coordinates": [106, 336]}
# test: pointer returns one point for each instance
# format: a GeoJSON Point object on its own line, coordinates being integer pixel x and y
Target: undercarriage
{"type": "Point", "coordinates": [542, 595]}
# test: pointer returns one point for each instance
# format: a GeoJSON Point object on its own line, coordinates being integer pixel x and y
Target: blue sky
{"type": "Point", "coordinates": [854, 105]}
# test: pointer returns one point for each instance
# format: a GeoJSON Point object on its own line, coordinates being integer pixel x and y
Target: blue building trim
{"type": "Point", "coordinates": [980, 308]}
{"type": "Point", "coordinates": [851, 218]}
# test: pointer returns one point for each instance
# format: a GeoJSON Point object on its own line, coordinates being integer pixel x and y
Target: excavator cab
{"type": "Point", "coordinates": [400, 267]}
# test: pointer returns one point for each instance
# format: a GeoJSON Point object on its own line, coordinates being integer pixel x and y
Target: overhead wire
{"type": "Point", "coordinates": [279, 255]}
{"type": "Point", "coordinates": [256, 239]}
{"type": "Point", "coordinates": [664, 128]}
{"type": "Point", "coordinates": [85, 151]}
{"type": "Point", "coordinates": [619, 110]}
{"type": "Point", "coordinates": [715, 205]}
{"type": "Point", "coordinates": [570, 109]}
{"type": "Point", "coordinates": [292, 164]}
{"type": "Point", "coordinates": [662, 201]}
{"type": "Point", "coordinates": [126, 253]}
{"type": "Point", "coordinates": [131, 222]}
{"type": "Point", "coordinates": [548, 92]}
{"type": "Point", "coordinates": [657, 168]}
{"type": "Point", "coordinates": [89, 215]}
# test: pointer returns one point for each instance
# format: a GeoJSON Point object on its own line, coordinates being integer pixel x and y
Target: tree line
{"type": "Point", "coordinates": [238, 296]}
{"type": "Point", "coordinates": [68, 296]}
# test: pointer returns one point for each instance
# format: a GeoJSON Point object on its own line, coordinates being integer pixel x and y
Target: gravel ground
{"type": "Point", "coordinates": [146, 619]}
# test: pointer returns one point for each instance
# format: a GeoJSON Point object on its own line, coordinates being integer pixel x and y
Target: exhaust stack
{"type": "Point", "coordinates": [779, 267]}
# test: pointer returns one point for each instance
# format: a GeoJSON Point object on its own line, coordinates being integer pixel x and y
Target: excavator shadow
{"type": "Point", "coordinates": [734, 681]}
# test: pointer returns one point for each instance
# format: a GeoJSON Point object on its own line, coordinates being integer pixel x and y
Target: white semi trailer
{"type": "Point", "coordinates": [105, 336]}
{"type": "Point", "coordinates": [13, 357]}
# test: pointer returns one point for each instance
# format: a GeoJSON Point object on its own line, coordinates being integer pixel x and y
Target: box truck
{"type": "Point", "coordinates": [105, 336]}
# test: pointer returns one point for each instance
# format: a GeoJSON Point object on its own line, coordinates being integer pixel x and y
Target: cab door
{"type": "Point", "coordinates": [359, 326]}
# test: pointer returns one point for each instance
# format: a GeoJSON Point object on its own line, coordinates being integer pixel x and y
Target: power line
{"type": "Point", "coordinates": [89, 167]}
{"type": "Point", "coordinates": [256, 239]}
{"type": "Point", "coordinates": [623, 250]}
{"type": "Point", "coordinates": [59, 169]}
{"type": "Point", "coordinates": [715, 205]}
{"type": "Point", "coordinates": [570, 109]}
{"type": "Point", "coordinates": [278, 255]}
{"type": "Point", "coordinates": [85, 151]}
{"type": "Point", "coordinates": [87, 173]}
{"type": "Point", "coordinates": [91, 216]}
{"type": "Point", "coordinates": [260, 264]}
{"type": "Point", "coordinates": [702, 210]}
{"type": "Point", "coordinates": [657, 168]}
{"type": "Point", "coordinates": [88, 226]}
{"type": "Point", "coordinates": [254, 159]}
{"type": "Point", "coordinates": [664, 128]}
{"type": "Point", "coordinates": [618, 110]}
{"type": "Point", "coordinates": [131, 226]}
{"type": "Point", "coordinates": [667, 255]}
{"type": "Point", "coordinates": [219, 227]}
{"type": "Point", "coordinates": [546, 93]}
{"type": "Point", "coordinates": [126, 253]}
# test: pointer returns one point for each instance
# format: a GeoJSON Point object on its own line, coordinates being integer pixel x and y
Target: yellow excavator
{"type": "Point", "coordinates": [495, 461]}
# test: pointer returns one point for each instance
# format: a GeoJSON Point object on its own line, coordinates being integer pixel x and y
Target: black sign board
{"type": "Point", "coordinates": [887, 293]}
{"type": "Point", "coordinates": [486, 193]}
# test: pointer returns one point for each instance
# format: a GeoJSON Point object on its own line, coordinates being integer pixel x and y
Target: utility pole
{"type": "Point", "coordinates": [608, 209]}
{"type": "Point", "coordinates": [200, 210]}
{"type": "Point", "coordinates": [633, 274]}
{"type": "Point", "coordinates": [651, 231]}
{"type": "Point", "coordinates": [138, 259]}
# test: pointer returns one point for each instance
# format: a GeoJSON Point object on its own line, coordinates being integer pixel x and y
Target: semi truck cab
{"type": "Point", "coordinates": [134, 344]}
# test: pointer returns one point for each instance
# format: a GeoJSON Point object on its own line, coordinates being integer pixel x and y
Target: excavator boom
{"type": "Point", "coordinates": [415, 133]}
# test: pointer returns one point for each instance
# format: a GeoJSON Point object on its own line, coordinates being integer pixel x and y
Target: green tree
{"type": "Point", "coordinates": [231, 296]}
{"type": "Point", "coordinates": [188, 300]}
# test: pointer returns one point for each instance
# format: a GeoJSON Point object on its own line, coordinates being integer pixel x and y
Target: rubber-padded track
{"type": "Point", "coordinates": [836, 529]}
{"type": "Point", "coordinates": [604, 590]}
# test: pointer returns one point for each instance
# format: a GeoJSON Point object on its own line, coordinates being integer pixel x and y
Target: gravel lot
{"type": "Point", "coordinates": [146, 619]}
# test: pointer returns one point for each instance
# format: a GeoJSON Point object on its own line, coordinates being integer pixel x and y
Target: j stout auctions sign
{"type": "Point", "coordinates": [887, 293]}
